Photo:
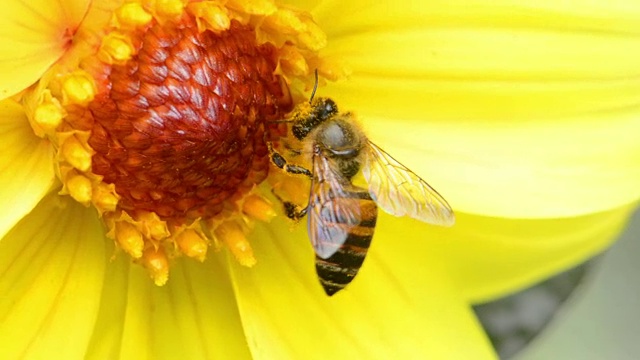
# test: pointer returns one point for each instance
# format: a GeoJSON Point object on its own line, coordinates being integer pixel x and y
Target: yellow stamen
{"type": "Point", "coordinates": [192, 244]}
{"type": "Point", "coordinates": [285, 21]}
{"type": "Point", "coordinates": [104, 198]}
{"type": "Point", "coordinates": [73, 152]}
{"type": "Point", "coordinates": [152, 227]}
{"type": "Point", "coordinates": [215, 17]}
{"type": "Point", "coordinates": [231, 234]}
{"type": "Point", "coordinates": [78, 88]}
{"type": "Point", "coordinates": [86, 102]}
{"type": "Point", "coordinates": [255, 7]}
{"type": "Point", "coordinates": [48, 115]}
{"type": "Point", "coordinates": [169, 8]}
{"type": "Point", "coordinates": [156, 262]}
{"type": "Point", "coordinates": [132, 14]}
{"type": "Point", "coordinates": [129, 239]}
{"type": "Point", "coordinates": [293, 62]}
{"type": "Point", "coordinates": [80, 189]}
{"type": "Point", "coordinates": [116, 48]}
{"type": "Point", "coordinates": [313, 38]}
{"type": "Point", "coordinates": [258, 208]}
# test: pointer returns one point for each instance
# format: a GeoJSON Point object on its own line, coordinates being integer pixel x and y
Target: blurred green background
{"type": "Point", "coordinates": [591, 312]}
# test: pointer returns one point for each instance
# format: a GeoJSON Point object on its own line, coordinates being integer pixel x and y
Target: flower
{"type": "Point", "coordinates": [507, 109]}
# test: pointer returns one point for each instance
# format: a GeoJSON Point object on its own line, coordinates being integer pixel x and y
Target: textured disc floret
{"type": "Point", "coordinates": [180, 128]}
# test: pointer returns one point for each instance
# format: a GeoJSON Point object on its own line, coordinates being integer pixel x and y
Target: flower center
{"type": "Point", "coordinates": [180, 128]}
{"type": "Point", "coordinates": [160, 113]}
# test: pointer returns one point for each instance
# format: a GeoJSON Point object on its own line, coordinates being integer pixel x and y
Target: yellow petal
{"type": "Point", "coordinates": [51, 276]}
{"type": "Point", "coordinates": [26, 171]}
{"type": "Point", "coordinates": [35, 34]}
{"type": "Point", "coordinates": [490, 257]}
{"type": "Point", "coordinates": [509, 108]}
{"type": "Point", "coordinates": [397, 308]}
{"type": "Point", "coordinates": [194, 316]}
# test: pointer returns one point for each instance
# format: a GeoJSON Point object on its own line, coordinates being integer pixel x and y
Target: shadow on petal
{"type": "Point", "coordinates": [397, 307]}
{"type": "Point", "coordinates": [194, 316]}
{"type": "Point", "coordinates": [26, 170]}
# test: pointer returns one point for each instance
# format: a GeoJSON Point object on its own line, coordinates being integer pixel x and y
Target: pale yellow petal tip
{"type": "Point", "coordinates": [258, 208]}
{"type": "Point", "coordinates": [157, 264]}
{"type": "Point", "coordinates": [233, 237]}
{"type": "Point", "coordinates": [192, 244]}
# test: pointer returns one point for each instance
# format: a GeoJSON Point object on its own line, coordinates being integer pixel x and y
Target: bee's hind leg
{"type": "Point", "coordinates": [293, 211]}
{"type": "Point", "coordinates": [279, 161]}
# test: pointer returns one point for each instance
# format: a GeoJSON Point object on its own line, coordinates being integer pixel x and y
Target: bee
{"type": "Point", "coordinates": [341, 216]}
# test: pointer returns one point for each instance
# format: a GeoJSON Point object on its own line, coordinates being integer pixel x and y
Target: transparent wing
{"type": "Point", "coordinates": [332, 213]}
{"type": "Point", "coordinates": [400, 192]}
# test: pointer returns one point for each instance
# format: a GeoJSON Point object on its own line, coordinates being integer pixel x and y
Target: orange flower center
{"type": "Point", "coordinates": [180, 128]}
{"type": "Point", "coordinates": [159, 114]}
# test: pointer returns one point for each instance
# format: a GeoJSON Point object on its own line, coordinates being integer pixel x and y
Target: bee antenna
{"type": "Point", "coordinates": [315, 87]}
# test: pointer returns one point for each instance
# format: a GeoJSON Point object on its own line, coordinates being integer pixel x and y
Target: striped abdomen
{"type": "Point", "coordinates": [339, 269]}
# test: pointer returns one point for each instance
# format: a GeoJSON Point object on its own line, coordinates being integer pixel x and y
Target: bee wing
{"type": "Point", "coordinates": [399, 191]}
{"type": "Point", "coordinates": [332, 213]}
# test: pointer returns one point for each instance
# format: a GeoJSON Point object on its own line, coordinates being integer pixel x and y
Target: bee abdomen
{"type": "Point", "coordinates": [340, 268]}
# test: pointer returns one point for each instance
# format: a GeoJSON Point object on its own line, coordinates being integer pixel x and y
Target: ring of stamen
{"type": "Point", "coordinates": [161, 123]}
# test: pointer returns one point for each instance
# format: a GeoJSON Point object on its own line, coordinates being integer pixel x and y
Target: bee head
{"type": "Point", "coordinates": [319, 110]}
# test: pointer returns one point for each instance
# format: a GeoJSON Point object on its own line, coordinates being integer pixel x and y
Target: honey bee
{"type": "Point", "coordinates": [341, 217]}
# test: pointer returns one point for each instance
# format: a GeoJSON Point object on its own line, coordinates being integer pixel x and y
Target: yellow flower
{"type": "Point", "coordinates": [521, 113]}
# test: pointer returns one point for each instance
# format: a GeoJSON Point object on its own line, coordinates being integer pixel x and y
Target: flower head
{"type": "Point", "coordinates": [144, 124]}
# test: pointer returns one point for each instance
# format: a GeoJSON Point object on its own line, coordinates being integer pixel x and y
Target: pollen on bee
{"type": "Point", "coordinates": [157, 264]}
{"type": "Point", "coordinates": [116, 48]}
{"type": "Point", "coordinates": [78, 88]}
{"type": "Point", "coordinates": [192, 244]}
{"type": "Point", "coordinates": [129, 239]}
{"type": "Point", "coordinates": [258, 208]}
{"type": "Point", "coordinates": [232, 235]}
{"type": "Point", "coordinates": [133, 14]}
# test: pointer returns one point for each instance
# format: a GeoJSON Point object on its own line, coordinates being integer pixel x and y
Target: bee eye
{"type": "Point", "coordinates": [329, 108]}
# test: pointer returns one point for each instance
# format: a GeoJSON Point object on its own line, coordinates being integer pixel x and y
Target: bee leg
{"type": "Point", "coordinates": [281, 162]}
{"type": "Point", "coordinates": [293, 211]}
